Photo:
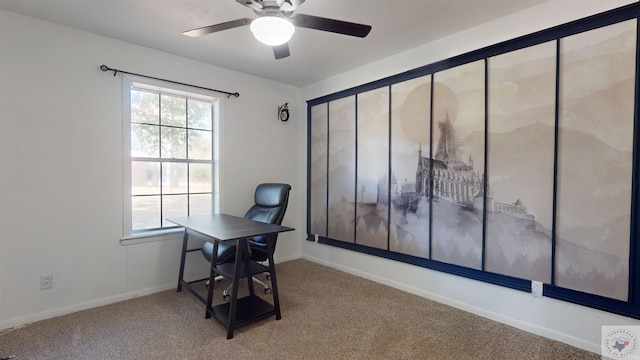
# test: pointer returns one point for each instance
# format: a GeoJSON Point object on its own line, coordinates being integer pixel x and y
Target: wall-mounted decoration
{"type": "Point", "coordinates": [410, 135]}
{"type": "Point", "coordinates": [457, 166]}
{"type": "Point", "coordinates": [595, 153]}
{"type": "Point", "coordinates": [318, 170]}
{"type": "Point", "coordinates": [372, 217]}
{"type": "Point", "coordinates": [342, 169]}
{"type": "Point", "coordinates": [283, 112]}
{"type": "Point", "coordinates": [512, 163]}
{"type": "Point", "coordinates": [520, 146]}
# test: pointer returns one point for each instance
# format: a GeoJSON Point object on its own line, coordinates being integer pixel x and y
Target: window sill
{"type": "Point", "coordinates": [152, 236]}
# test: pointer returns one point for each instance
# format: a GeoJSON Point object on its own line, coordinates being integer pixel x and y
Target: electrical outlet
{"type": "Point", "coordinates": [46, 281]}
{"type": "Point", "coordinates": [536, 288]}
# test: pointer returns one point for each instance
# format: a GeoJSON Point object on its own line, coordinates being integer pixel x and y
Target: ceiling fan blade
{"type": "Point", "coordinates": [331, 25]}
{"type": "Point", "coordinates": [281, 51]}
{"type": "Point", "coordinates": [218, 27]}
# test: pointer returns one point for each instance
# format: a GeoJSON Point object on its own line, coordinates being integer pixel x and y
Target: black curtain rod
{"type": "Point", "coordinates": [115, 71]}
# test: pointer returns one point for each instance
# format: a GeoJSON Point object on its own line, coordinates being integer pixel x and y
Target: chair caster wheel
{"type": "Point", "coordinates": [267, 291]}
{"type": "Point", "coordinates": [226, 297]}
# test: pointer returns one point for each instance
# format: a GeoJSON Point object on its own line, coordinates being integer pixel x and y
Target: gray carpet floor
{"type": "Point", "coordinates": [326, 314]}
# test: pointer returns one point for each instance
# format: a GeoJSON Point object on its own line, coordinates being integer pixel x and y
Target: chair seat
{"type": "Point", "coordinates": [226, 251]}
{"type": "Point", "coordinates": [259, 251]}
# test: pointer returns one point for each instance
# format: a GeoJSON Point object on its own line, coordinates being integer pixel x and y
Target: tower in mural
{"type": "Point", "coordinates": [453, 179]}
{"type": "Point", "coordinates": [447, 149]}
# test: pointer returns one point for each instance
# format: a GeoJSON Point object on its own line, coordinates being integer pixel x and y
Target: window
{"type": "Point", "coordinates": [171, 140]}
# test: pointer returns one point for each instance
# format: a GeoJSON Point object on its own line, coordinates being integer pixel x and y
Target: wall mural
{"type": "Point", "coordinates": [458, 165]}
{"type": "Point", "coordinates": [410, 134]}
{"type": "Point", "coordinates": [597, 75]}
{"type": "Point", "coordinates": [520, 160]}
{"type": "Point", "coordinates": [552, 126]}
{"type": "Point", "coordinates": [318, 170]}
{"type": "Point", "coordinates": [342, 169]}
{"type": "Point", "coordinates": [373, 167]}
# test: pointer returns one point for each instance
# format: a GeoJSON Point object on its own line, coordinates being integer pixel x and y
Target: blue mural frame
{"type": "Point", "coordinates": [630, 308]}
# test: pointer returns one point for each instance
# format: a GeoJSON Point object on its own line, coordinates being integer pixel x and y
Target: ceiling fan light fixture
{"type": "Point", "coordinates": [272, 30]}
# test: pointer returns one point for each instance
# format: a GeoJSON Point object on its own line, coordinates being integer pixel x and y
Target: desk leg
{"type": "Point", "coordinates": [185, 241]}
{"type": "Point", "coordinates": [274, 282]}
{"type": "Point", "coordinates": [212, 281]}
{"type": "Point", "coordinates": [247, 260]}
{"type": "Point", "coordinates": [233, 307]}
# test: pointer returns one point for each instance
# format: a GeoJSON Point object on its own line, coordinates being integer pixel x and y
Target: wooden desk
{"type": "Point", "coordinates": [222, 227]}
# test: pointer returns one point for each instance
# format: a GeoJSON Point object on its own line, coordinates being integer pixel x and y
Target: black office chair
{"type": "Point", "coordinates": [270, 206]}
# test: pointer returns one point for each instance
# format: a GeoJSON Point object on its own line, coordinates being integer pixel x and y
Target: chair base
{"type": "Point", "coordinates": [226, 293]}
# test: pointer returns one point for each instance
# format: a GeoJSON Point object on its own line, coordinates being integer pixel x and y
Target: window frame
{"type": "Point", "coordinates": [129, 82]}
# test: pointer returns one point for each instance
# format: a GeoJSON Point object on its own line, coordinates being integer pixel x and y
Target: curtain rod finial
{"type": "Point", "coordinates": [106, 68]}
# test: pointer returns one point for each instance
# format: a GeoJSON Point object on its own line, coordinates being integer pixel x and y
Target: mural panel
{"type": "Point", "coordinates": [318, 167]}
{"type": "Point", "coordinates": [520, 160]}
{"type": "Point", "coordinates": [342, 165]}
{"type": "Point", "coordinates": [595, 147]}
{"type": "Point", "coordinates": [458, 165]}
{"type": "Point", "coordinates": [373, 167]}
{"type": "Point", "coordinates": [410, 135]}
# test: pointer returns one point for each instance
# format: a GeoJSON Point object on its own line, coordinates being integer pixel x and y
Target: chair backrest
{"type": "Point", "coordinates": [271, 202]}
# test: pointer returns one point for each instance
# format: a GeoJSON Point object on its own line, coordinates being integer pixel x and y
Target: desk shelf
{"type": "Point", "coordinates": [250, 308]}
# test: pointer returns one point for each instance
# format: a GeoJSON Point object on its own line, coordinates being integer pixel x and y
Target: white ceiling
{"type": "Point", "coordinates": [398, 25]}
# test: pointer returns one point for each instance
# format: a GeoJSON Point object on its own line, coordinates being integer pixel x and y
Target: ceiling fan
{"type": "Point", "coordinates": [276, 23]}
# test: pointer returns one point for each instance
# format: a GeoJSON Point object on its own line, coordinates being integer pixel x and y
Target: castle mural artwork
{"type": "Point", "coordinates": [595, 152]}
{"type": "Point", "coordinates": [520, 160]}
{"type": "Point", "coordinates": [410, 126]}
{"type": "Point", "coordinates": [341, 185]}
{"type": "Point", "coordinates": [318, 170]}
{"type": "Point", "coordinates": [458, 127]}
{"type": "Point", "coordinates": [373, 164]}
{"type": "Point", "coordinates": [459, 166]}
{"type": "Point", "coordinates": [457, 185]}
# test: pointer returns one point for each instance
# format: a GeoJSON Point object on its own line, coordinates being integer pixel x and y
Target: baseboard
{"type": "Point", "coordinates": [526, 326]}
{"type": "Point", "coordinates": [65, 310]}
{"type": "Point", "coordinates": [287, 258]}
{"type": "Point", "coordinates": [21, 321]}
{"type": "Point", "coordinates": [522, 325]}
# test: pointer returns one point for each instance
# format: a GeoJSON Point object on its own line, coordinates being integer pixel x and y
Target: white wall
{"type": "Point", "coordinates": [61, 173]}
{"type": "Point", "coordinates": [61, 166]}
{"type": "Point", "coordinates": [573, 324]}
